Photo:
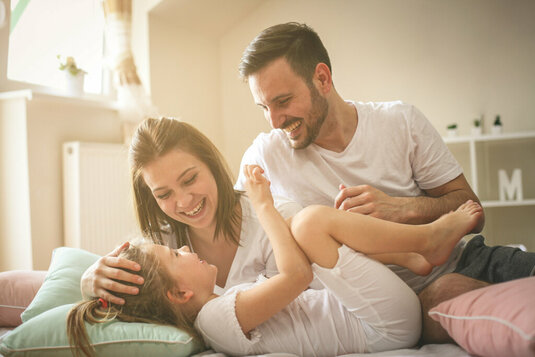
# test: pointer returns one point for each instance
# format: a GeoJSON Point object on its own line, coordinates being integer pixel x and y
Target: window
{"type": "Point", "coordinates": [42, 30]}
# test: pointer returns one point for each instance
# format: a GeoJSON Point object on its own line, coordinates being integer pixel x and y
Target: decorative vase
{"type": "Point", "coordinates": [477, 131]}
{"type": "Point", "coordinates": [452, 132]}
{"type": "Point", "coordinates": [496, 129]}
{"type": "Point", "coordinates": [74, 84]}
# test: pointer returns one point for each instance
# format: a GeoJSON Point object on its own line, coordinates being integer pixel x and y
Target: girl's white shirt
{"type": "Point", "coordinates": [364, 307]}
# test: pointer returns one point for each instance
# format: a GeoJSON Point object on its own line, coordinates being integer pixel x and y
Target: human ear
{"type": "Point", "coordinates": [177, 296]}
{"type": "Point", "coordinates": [323, 77]}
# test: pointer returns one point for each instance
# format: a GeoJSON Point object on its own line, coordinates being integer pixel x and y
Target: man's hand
{"type": "Point", "coordinates": [368, 200]}
{"type": "Point", "coordinates": [437, 201]}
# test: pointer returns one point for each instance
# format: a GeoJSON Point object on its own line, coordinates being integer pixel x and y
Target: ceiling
{"type": "Point", "coordinates": [210, 17]}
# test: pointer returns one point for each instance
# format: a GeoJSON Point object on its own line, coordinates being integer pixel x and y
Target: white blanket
{"type": "Point", "coordinates": [445, 350]}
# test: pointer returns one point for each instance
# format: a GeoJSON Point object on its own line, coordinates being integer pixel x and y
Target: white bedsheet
{"type": "Point", "coordinates": [445, 350]}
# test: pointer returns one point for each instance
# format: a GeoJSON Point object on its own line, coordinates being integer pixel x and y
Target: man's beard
{"type": "Point", "coordinates": [317, 115]}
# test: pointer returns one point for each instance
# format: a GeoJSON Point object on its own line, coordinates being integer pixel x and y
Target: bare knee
{"type": "Point", "coordinates": [307, 223]}
{"type": "Point", "coordinates": [444, 288]}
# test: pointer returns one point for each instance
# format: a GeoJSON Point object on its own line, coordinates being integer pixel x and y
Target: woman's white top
{"type": "Point", "coordinates": [254, 255]}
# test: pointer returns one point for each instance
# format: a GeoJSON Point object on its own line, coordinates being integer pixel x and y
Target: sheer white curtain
{"type": "Point", "coordinates": [135, 104]}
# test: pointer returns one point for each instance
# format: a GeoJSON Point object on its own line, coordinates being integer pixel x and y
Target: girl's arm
{"type": "Point", "coordinates": [258, 304]}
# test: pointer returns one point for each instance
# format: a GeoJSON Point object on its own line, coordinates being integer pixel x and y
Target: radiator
{"type": "Point", "coordinates": [98, 212]}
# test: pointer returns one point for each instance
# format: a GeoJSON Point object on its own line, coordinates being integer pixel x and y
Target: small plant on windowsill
{"type": "Point", "coordinates": [74, 75]}
{"type": "Point", "coordinates": [497, 125]}
{"type": "Point", "coordinates": [477, 129]}
{"type": "Point", "coordinates": [69, 65]}
{"type": "Point", "coordinates": [452, 130]}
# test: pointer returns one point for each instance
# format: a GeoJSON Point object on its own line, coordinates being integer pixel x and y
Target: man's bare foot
{"type": "Point", "coordinates": [449, 229]}
{"type": "Point", "coordinates": [412, 261]}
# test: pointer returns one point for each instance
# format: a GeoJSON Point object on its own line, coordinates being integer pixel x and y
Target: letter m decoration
{"type": "Point", "coordinates": [510, 188]}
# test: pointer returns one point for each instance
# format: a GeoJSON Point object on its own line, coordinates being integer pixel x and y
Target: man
{"type": "Point", "coordinates": [381, 159]}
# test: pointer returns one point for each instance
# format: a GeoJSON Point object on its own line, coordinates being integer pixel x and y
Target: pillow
{"type": "Point", "coordinates": [43, 332]}
{"type": "Point", "coordinates": [497, 320]}
{"type": "Point", "coordinates": [62, 282]}
{"type": "Point", "coordinates": [17, 290]}
{"type": "Point", "coordinates": [45, 335]}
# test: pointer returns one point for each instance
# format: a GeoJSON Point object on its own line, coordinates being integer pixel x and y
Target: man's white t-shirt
{"type": "Point", "coordinates": [394, 149]}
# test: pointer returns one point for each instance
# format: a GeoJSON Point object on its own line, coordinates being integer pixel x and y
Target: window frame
{"type": "Point", "coordinates": [108, 92]}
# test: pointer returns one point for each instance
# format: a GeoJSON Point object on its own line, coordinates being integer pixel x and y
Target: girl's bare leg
{"type": "Point", "coordinates": [320, 230]}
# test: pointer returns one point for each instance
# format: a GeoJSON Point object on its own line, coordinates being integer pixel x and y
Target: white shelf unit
{"type": "Point", "coordinates": [472, 141]}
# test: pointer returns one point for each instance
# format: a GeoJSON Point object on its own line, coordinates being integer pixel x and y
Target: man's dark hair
{"type": "Point", "coordinates": [297, 43]}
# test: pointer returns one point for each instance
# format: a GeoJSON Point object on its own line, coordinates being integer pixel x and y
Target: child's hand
{"type": "Point", "coordinates": [257, 185]}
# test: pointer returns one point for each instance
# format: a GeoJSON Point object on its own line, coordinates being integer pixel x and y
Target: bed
{"type": "Point", "coordinates": [498, 320]}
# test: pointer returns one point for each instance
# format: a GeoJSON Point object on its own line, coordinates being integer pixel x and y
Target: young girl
{"type": "Point", "coordinates": [364, 308]}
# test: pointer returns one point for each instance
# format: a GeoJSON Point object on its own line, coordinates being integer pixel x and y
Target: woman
{"type": "Point", "coordinates": [183, 195]}
{"type": "Point", "coordinates": [364, 308]}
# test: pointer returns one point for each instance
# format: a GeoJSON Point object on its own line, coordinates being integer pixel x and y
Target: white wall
{"type": "Point", "coordinates": [184, 67]}
{"type": "Point", "coordinates": [32, 133]}
{"type": "Point", "coordinates": [15, 223]}
{"type": "Point", "coordinates": [455, 59]}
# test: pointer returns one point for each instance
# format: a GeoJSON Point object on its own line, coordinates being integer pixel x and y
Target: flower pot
{"type": "Point", "coordinates": [477, 131]}
{"type": "Point", "coordinates": [74, 84]}
{"type": "Point", "coordinates": [496, 129]}
{"type": "Point", "coordinates": [452, 132]}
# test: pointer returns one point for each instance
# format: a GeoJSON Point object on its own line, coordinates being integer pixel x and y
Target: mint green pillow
{"type": "Point", "coordinates": [45, 335]}
{"type": "Point", "coordinates": [62, 282]}
{"type": "Point", "coordinates": [44, 328]}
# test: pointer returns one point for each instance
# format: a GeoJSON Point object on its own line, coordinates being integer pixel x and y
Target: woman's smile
{"type": "Point", "coordinates": [196, 210]}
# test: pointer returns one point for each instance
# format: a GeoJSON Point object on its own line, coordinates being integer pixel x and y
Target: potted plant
{"type": "Point", "coordinates": [74, 76]}
{"type": "Point", "coordinates": [477, 129]}
{"type": "Point", "coordinates": [452, 130]}
{"type": "Point", "coordinates": [497, 125]}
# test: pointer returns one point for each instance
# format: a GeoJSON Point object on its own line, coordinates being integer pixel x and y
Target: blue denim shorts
{"type": "Point", "coordinates": [494, 264]}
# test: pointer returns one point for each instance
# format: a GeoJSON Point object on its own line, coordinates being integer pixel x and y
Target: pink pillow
{"type": "Point", "coordinates": [498, 320]}
{"type": "Point", "coordinates": [17, 290]}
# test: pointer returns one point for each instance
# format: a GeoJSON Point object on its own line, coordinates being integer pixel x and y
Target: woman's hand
{"type": "Point", "coordinates": [257, 185]}
{"type": "Point", "coordinates": [97, 280]}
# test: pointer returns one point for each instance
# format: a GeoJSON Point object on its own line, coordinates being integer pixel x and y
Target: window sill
{"type": "Point", "coordinates": [60, 97]}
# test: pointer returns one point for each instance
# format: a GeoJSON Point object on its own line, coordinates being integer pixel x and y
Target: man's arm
{"type": "Point", "coordinates": [366, 199]}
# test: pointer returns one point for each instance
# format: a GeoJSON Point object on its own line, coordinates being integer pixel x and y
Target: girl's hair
{"type": "Point", "coordinates": [150, 305]}
{"type": "Point", "coordinates": [155, 138]}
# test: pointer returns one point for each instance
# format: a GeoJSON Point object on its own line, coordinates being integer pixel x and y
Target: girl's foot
{"type": "Point", "coordinates": [412, 261]}
{"type": "Point", "coordinates": [417, 264]}
{"type": "Point", "coordinates": [449, 229]}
